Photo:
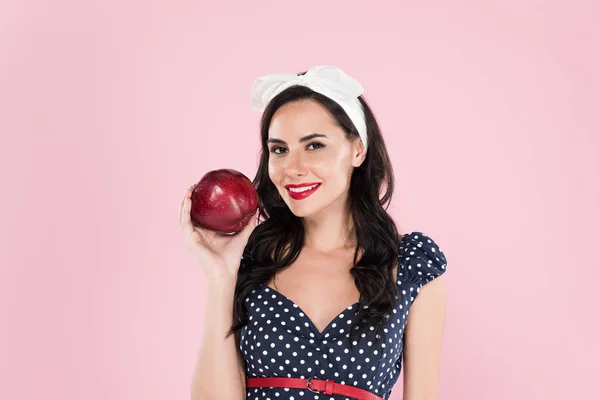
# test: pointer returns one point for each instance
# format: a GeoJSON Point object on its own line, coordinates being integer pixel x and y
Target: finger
{"type": "Point", "coordinates": [180, 209]}
{"type": "Point", "coordinates": [186, 220]}
{"type": "Point", "coordinates": [250, 225]}
{"type": "Point", "coordinates": [181, 204]}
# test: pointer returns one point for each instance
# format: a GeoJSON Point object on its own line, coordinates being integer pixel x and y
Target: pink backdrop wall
{"type": "Point", "coordinates": [109, 111]}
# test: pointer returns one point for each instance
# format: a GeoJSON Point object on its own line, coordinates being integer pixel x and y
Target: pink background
{"type": "Point", "coordinates": [109, 111]}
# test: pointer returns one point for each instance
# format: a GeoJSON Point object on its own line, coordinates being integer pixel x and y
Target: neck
{"type": "Point", "coordinates": [329, 231]}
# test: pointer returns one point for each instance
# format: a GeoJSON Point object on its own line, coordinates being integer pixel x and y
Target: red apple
{"type": "Point", "coordinates": [223, 201]}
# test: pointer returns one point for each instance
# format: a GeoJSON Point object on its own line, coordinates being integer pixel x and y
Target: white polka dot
{"type": "Point", "coordinates": [294, 348]}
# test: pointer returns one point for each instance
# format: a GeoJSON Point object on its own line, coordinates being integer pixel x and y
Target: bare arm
{"type": "Point", "coordinates": [423, 342]}
{"type": "Point", "coordinates": [219, 371]}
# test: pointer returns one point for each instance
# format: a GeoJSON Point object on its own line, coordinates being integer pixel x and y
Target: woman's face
{"type": "Point", "coordinates": [307, 147]}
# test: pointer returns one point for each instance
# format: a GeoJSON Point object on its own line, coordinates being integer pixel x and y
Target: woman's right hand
{"type": "Point", "coordinates": [219, 255]}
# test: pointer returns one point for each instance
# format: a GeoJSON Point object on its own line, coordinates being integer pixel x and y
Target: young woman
{"type": "Point", "coordinates": [323, 303]}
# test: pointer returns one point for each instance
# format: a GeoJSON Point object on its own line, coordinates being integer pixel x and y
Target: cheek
{"type": "Point", "coordinates": [274, 171]}
{"type": "Point", "coordinates": [331, 162]}
{"type": "Point", "coordinates": [322, 158]}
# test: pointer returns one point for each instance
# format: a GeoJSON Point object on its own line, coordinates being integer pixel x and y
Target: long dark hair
{"type": "Point", "coordinates": [276, 242]}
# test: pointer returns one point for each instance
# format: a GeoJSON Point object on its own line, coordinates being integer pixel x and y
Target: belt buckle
{"type": "Point", "coordinates": [308, 385]}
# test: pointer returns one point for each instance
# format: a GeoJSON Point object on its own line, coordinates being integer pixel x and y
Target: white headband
{"type": "Point", "coordinates": [330, 81]}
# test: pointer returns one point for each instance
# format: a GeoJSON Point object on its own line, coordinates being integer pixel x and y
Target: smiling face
{"type": "Point", "coordinates": [307, 147]}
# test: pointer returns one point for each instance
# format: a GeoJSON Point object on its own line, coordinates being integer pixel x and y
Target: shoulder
{"type": "Point", "coordinates": [420, 259]}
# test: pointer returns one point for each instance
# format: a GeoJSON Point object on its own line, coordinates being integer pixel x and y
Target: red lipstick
{"type": "Point", "coordinates": [302, 194]}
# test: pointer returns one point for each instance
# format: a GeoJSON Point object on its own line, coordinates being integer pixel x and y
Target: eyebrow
{"type": "Point", "coordinates": [302, 139]}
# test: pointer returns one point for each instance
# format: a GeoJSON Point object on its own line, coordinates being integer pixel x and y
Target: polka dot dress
{"type": "Point", "coordinates": [281, 341]}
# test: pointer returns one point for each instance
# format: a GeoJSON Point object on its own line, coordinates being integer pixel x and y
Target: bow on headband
{"type": "Point", "coordinates": [330, 81]}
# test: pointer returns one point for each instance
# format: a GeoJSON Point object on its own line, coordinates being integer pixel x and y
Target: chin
{"type": "Point", "coordinates": [299, 212]}
{"type": "Point", "coordinates": [308, 210]}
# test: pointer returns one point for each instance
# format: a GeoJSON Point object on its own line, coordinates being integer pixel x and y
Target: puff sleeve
{"type": "Point", "coordinates": [420, 259]}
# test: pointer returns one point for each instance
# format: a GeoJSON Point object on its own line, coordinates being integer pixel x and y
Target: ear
{"type": "Point", "coordinates": [358, 153]}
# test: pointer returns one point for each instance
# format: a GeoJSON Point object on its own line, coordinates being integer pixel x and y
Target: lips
{"type": "Point", "coordinates": [304, 194]}
{"type": "Point", "coordinates": [300, 185]}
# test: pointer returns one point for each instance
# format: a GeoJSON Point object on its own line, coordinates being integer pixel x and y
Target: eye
{"type": "Point", "coordinates": [274, 149]}
{"type": "Point", "coordinates": [317, 145]}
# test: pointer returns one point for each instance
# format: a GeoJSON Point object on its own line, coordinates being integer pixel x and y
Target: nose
{"type": "Point", "coordinates": [295, 166]}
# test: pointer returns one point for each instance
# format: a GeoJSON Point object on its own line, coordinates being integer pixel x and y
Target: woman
{"type": "Point", "coordinates": [324, 301]}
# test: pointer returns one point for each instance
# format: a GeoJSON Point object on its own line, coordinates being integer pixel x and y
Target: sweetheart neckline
{"type": "Point", "coordinates": [311, 323]}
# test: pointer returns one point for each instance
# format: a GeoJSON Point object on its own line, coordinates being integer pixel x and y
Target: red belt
{"type": "Point", "coordinates": [314, 385]}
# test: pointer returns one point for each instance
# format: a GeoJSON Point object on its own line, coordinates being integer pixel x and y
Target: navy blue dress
{"type": "Point", "coordinates": [281, 341]}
